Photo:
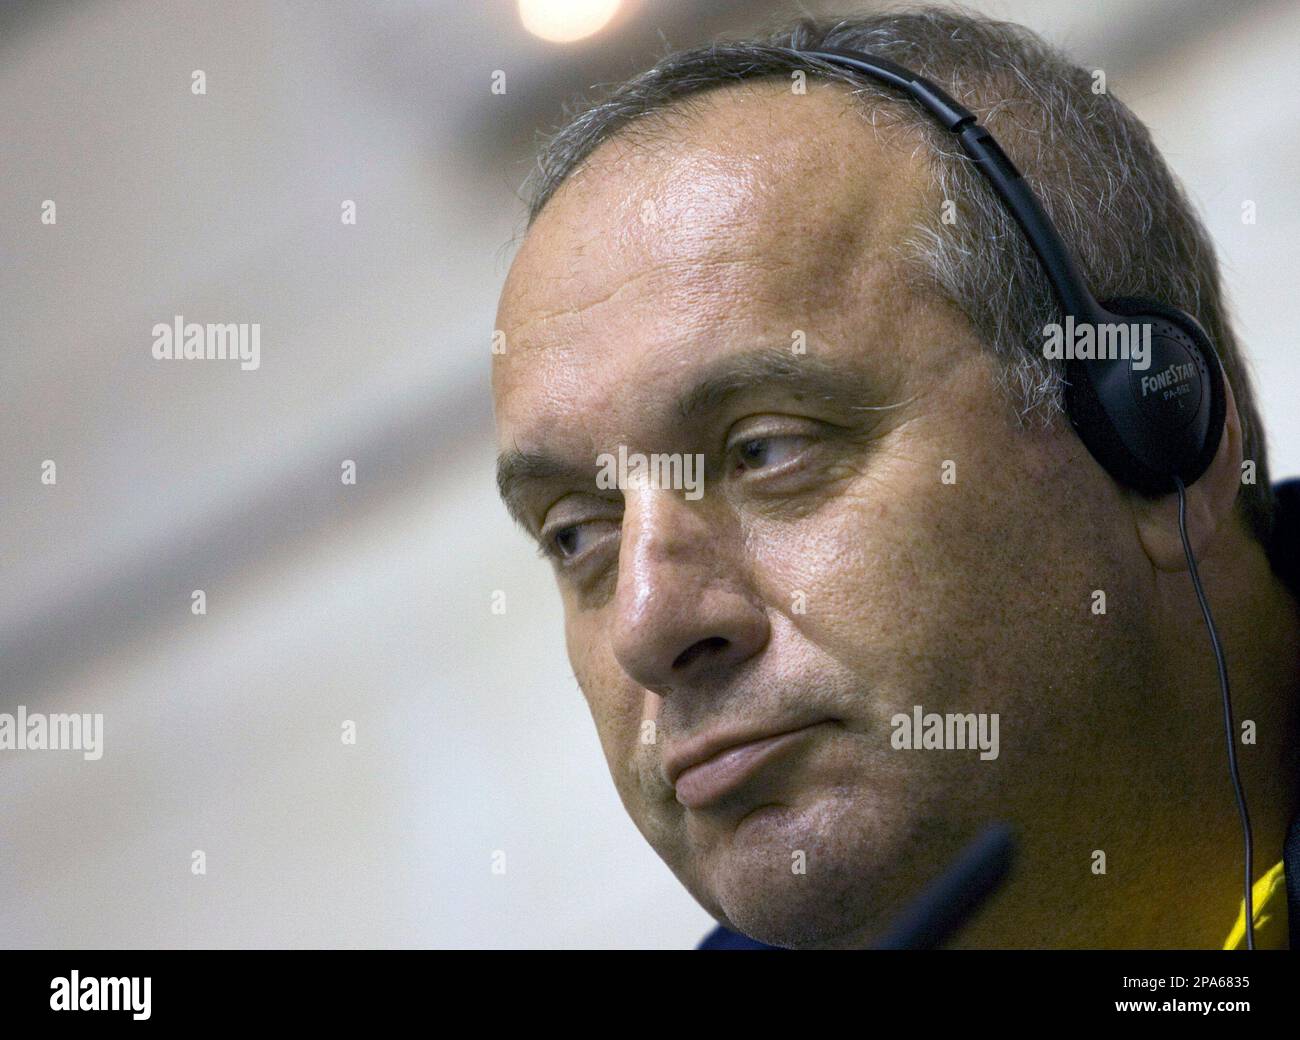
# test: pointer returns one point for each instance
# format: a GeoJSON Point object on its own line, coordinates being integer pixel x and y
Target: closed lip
{"type": "Point", "coordinates": [708, 746]}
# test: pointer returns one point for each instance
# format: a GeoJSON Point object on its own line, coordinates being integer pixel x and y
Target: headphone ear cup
{"type": "Point", "coordinates": [1147, 425]}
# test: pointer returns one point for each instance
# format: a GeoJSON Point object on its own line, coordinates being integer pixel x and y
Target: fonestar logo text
{"type": "Point", "coordinates": [73, 993]}
{"type": "Point", "coordinates": [1173, 381]}
{"type": "Point", "coordinates": [190, 341]}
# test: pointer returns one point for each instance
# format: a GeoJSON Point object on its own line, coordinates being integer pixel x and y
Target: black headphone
{"type": "Point", "coordinates": [1147, 427]}
{"type": "Point", "coordinates": [1155, 430]}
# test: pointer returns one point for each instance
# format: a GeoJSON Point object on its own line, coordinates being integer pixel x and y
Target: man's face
{"type": "Point", "coordinates": [875, 532]}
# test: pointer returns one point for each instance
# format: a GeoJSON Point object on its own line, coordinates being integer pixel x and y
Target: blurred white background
{"type": "Point", "coordinates": [373, 603]}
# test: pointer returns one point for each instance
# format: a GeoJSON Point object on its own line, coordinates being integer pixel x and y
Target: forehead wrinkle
{"type": "Point", "coordinates": [577, 308]}
{"type": "Point", "coordinates": [693, 288]}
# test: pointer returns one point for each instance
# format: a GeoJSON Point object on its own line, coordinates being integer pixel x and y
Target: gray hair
{"type": "Point", "coordinates": [1089, 159]}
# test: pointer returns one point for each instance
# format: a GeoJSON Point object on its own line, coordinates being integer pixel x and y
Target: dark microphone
{"type": "Point", "coordinates": [951, 899]}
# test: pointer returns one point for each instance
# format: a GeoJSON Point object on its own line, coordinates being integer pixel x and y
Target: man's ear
{"type": "Point", "coordinates": [1210, 502]}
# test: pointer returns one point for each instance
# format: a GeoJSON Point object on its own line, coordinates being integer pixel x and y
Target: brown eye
{"type": "Point", "coordinates": [569, 543]}
{"type": "Point", "coordinates": [760, 452]}
{"type": "Point", "coordinates": [566, 540]}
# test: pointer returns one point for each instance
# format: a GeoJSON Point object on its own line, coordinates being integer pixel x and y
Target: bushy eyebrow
{"type": "Point", "coordinates": [516, 469]}
{"type": "Point", "coordinates": [803, 374]}
{"type": "Point", "coordinates": [730, 375]}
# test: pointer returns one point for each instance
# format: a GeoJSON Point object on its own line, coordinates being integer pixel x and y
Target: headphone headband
{"type": "Point", "coordinates": [989, 158]}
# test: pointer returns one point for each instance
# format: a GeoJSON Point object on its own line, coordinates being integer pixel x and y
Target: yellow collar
{"type": "Point", "coordinates": [1269, 897]}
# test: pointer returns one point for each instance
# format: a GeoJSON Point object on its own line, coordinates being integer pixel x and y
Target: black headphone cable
{"type": "Point", "coordinates": [1230, 727]}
